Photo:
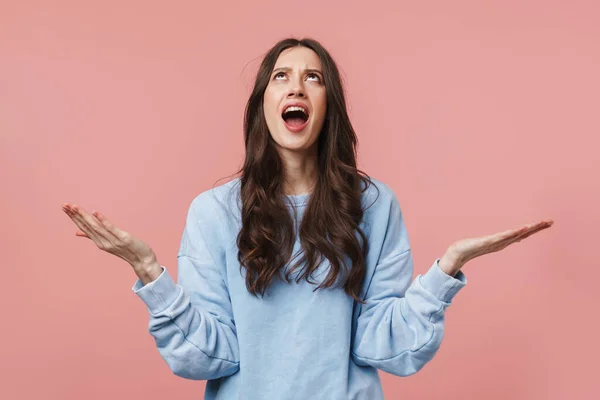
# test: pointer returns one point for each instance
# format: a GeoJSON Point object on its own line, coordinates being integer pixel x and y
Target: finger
{"type": "Point", "coordinates": [94, 230]}
{"type": "Point", "coordinates": [503, 236]}
{"type": "Point", "coordinates": [83, 228]}
{"type": "Point", "coordinates": [518, 232]}
{"type": "Point", "coordinates": [524, 233]}
{"type": "Point", "coordinates": [501, 240]}
{"type": "Point", "coordinates": [90, 221]}
{"type": "Point", "coordinates": [113, 230]}
{"type": "Point", "coordinates": [530, 232]}
{"type": "Point", "coordinates": [68, 209]}
{"type": "Point", "coordinates": [531, 229]}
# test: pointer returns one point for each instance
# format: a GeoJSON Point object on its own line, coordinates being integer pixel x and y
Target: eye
{"type": "Point", "coordinates": [277, 74]}
{"type": "Point", "coordinates": [315, 76]}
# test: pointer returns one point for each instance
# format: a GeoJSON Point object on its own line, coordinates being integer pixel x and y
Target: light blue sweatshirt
{"type": "Point", "coordinates": [295, 343]}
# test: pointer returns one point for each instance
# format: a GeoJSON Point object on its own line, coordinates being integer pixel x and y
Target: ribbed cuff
{"type": "Point", "coordinates": [442, 285]}
{"type": "Point", "coordinates": [158, 294]}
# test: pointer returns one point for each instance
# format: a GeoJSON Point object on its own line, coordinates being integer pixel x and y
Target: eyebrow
{"type": "Point", "coordinates": [286, 69]}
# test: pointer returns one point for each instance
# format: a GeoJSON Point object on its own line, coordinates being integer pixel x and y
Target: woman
{"type": "Point", "coordinates": [294, 279]}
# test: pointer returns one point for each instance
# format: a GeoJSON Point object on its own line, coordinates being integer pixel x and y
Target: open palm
{"type": "Point", "coordinates": [108, 237]}
{"type": "Point", "coordinates": [467, 249]}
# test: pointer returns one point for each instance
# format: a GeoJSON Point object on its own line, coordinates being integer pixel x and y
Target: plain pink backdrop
{"type": "Point", "coordinates": [482, 116]}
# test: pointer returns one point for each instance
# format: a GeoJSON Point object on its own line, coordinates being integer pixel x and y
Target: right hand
{"type": "Point", "coordinates": [113, 240]}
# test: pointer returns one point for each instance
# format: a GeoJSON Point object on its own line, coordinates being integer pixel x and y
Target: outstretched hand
{"type": "Point", "coordinates": [111, 239]}
{"type": "Point", "coordinates": [463, 250]}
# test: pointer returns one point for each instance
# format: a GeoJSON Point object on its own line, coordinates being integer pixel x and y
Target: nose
{"type": "Point", "coordinates": [296, 88]}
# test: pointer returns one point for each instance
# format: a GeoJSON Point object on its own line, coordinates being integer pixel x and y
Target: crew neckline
{"type": "Point", "coordinates": [298, 200]}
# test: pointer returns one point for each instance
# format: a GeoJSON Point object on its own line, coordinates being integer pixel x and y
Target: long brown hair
{"type": "Point", "coordinates": [330, 225]}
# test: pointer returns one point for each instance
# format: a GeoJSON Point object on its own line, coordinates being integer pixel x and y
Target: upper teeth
{"type": "Point", "coordinates": [295, 108]}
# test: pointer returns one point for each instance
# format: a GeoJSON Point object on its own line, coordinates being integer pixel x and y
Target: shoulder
{"type": "Point", "coordinates": [383, 217]}
{"type": "Point", "coordinates": [217, 202]}
{"type": "Point", "coordinates": [378, 196]}
{"type": "Point", "coordinates": [218, 195]}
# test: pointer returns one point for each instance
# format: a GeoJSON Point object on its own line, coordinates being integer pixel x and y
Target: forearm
{"type": "Point", "coordinates": [399, 334]}
{"type": "Point", "coordinates": [191, 338]}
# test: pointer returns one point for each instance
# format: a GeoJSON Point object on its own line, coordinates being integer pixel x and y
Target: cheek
{"type": "Point", "coordinates": [270, 105]}
{"type": "Point", "coordinates": [270, 113]}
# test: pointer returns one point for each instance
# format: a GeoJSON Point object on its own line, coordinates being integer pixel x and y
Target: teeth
{"type": "Point", "coordinates": [295, 108]}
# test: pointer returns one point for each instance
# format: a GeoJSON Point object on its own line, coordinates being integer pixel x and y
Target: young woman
{"type": "Point", "coordinates": [294, 279]}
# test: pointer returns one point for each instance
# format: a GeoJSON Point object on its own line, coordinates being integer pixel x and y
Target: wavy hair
{"type": "Point", "coordinates": [330, 225]}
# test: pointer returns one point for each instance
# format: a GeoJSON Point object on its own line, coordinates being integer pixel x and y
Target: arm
{"type": "Point", "coordinates": [401, 326]}
{"type": "Point", "coordinates": [192, 321]}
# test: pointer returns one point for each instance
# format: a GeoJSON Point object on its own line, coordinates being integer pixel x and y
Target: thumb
{"type": "Point", "coordinates": [81, 234]}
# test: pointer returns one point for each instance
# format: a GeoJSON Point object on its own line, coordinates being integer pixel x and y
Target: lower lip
{"type": "Point", "coordinates": [295, 128]}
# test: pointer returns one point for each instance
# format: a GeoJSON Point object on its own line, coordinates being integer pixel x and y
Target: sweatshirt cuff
{"type": "Point", "coordinates": [442, 285]}
{"type": "Point", "coordinates": [158, 294]}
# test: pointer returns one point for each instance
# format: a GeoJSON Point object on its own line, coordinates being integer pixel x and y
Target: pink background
{"type": "Point", "coordinates": [482, 116]}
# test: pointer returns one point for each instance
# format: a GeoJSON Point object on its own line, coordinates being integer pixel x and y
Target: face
{"type": "Point", "coordinates": [297, 78]}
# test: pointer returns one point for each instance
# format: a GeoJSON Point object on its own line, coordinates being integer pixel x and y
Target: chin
{"type": "Point", "coordinates": [295, 144]}
{"type": "Point", "coordinates": [293, 147]}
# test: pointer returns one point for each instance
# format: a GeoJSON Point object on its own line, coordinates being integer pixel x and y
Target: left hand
{"type": "Point", "coordinates": [463, 250]}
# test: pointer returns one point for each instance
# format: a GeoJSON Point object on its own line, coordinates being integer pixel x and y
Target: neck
{"type": "Point", "coordinates": [300, 172]}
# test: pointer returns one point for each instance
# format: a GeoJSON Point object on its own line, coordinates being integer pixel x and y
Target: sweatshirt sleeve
{"type": "Point", "coordinates": [192, 321]}
{"type": "Point", "coordinates": [401, 326]}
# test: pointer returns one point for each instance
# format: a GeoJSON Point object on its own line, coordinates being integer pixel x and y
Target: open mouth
{"type": "Point", "coordinates": [295, 117]}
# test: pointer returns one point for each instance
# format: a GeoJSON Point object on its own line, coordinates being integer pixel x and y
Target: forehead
{"type": "Point", "coordinates": [299, 57]}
